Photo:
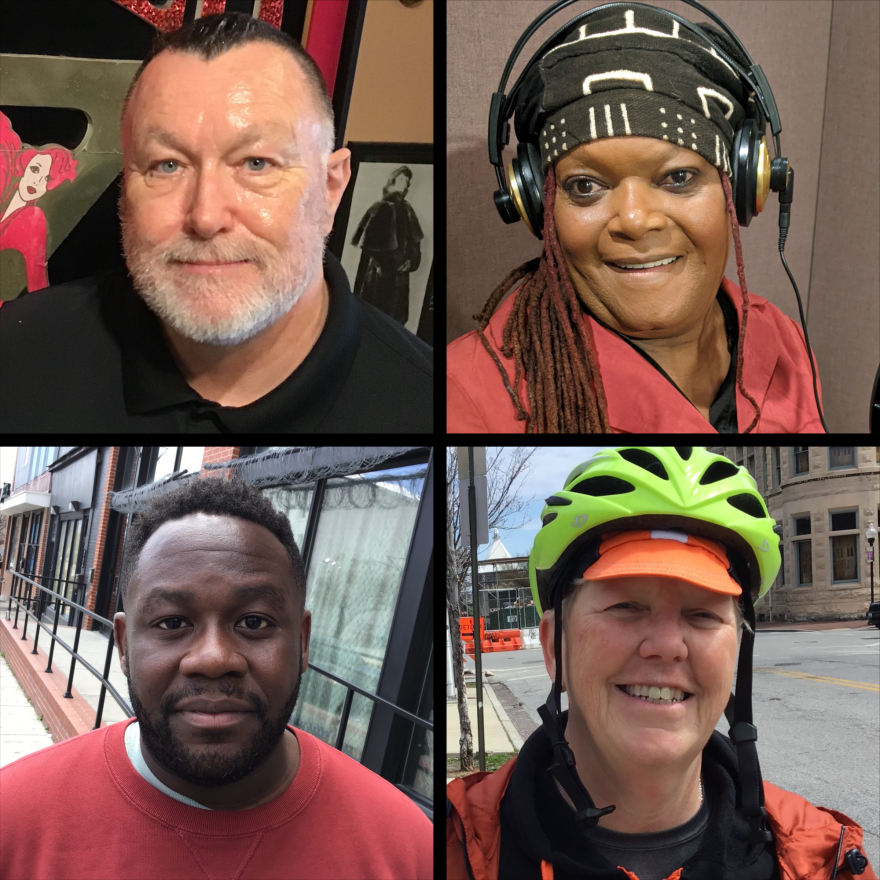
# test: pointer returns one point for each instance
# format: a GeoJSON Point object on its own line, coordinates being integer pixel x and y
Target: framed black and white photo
{"type": "Point", "coordinates": [384, 231]}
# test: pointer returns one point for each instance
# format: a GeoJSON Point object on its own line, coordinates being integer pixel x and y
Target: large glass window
{"type": "Point", "coordinates": [805, 562]}
{"type": "Point", "coordinates": [170, 459]}
{"type": "Point", "coordinates": [841, 457]}
{"type": "Point", "coordinates": [65, 536]}
{"type": "Point", "coordinates": [844, 548]}
{"type": "Point", "coordinates": [191, 458]}
{"type": "Point", "coordinates": [69, 545]}
{"type": "Point", "coordinates": [38, 459]}
{"type": "Point", "coordinates": [29, 563]}
{"type": "Point", "coordinates": [294, 502]}
{"type": "Point", "coordinates": [361, 545]}
{"type": "Point", "coordinates": [164, 462]}
{"type": "Point", "coordinates": [418, 772]}
{"type": "Point", "coordinates": [802, 525]}
{"type": "Point", "coordinates": [844, 551]}
{"type": "Point", "coordinates": [801, 459]}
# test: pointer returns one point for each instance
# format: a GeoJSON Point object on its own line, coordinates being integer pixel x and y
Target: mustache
{"type": "Point", "coordinates": [185, 254]}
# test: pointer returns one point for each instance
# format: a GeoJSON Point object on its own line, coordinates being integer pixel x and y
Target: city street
{"type": "Point", "coordinates": [816, 699]}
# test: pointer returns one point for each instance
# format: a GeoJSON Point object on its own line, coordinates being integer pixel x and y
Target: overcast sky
{"type": "Point", "coordinates": [7, 464]}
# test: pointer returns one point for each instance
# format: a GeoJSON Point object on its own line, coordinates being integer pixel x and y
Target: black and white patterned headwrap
{"type": "Point", "coordinates": [635, 72]}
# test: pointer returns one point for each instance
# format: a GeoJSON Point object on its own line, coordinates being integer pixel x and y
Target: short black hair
{"type": "Point", "coordinates": [216, 34]}
{"type": "Point", "coordinates": [218, 496]}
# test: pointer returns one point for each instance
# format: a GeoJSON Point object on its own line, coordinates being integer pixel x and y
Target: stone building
{"type": "Point", "coordinates": [823, 498]}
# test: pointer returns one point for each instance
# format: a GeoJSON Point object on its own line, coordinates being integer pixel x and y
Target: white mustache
{"type": "Point", "coordinates": [207, 258]}
{"type": "Point", "coordinates": [184, 256]}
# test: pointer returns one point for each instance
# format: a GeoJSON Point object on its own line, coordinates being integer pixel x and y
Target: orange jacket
{"type": "Point", "coordinates": [807, 837]}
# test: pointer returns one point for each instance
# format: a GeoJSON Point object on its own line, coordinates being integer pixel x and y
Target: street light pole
{"type": "Point", "coordinates": [478, 655]}
{"type": "Point", "coordinates": [871, 535]}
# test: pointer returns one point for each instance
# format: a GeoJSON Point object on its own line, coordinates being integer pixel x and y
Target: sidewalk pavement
{"type": "Point", "coordinates": [499, 733]}
{"type": "Point", "coordinates": [21, 730]}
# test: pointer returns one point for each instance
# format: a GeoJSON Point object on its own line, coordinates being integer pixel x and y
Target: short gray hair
{"type": "Point", "coordinates": [741, 622]}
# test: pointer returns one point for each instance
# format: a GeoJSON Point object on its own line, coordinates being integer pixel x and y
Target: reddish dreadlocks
{"type": "Point", "coordinates": [550, 341]}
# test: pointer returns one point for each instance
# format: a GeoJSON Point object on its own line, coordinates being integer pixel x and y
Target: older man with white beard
{"type": "Point", "coordinates": [234, 317]}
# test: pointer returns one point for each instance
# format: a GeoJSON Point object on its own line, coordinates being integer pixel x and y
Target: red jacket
{"type": "Point", "coordinates": [807, 837]}
{"type": "Point", "coordinates": [776, 372]}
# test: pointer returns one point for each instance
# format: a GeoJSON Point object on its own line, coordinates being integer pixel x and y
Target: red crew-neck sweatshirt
{"type": "Point", "coordinates": [78, 810]}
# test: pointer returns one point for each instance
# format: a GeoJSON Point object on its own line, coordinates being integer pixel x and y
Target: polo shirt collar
{"type": "Point", "coordinates": [152, 382]}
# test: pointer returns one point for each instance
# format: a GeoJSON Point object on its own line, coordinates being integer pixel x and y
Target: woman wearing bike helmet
{"type": "Point", "coordinates": [646, 568]}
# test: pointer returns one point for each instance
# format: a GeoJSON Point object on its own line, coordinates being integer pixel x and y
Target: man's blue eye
{"type": "Point", "coordinates": [156, 165]}
{"type": "Point", "coordinates": [256, 159]}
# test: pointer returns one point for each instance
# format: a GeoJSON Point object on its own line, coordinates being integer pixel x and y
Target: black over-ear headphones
{"type": "Point", "coordinates": [753, 175]}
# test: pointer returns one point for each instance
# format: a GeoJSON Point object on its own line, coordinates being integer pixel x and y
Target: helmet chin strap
{"type": "Point", "coordinates": [743, 734]}
{"type": "Point", "coordinates": [563, 767]}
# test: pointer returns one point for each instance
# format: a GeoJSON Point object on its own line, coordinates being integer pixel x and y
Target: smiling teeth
{"type": "Point", "coordinates": [655, 694]}
{"type": "Point", "coordinates": [649, 265]}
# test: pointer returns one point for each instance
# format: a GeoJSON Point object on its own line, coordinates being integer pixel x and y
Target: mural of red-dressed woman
{"type": "Point", "coordinates": [26, 174]}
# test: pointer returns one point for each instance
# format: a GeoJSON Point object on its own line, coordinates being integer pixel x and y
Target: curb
{"type": "Point", "coordinates": [507, 726]}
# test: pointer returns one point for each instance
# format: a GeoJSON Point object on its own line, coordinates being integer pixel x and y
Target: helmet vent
{"type": "Point", "coordinates": [603, 486]}
{"type": "Point", "coordinates": [684, 452]}
{"type": "Point", "coordinates": [719, 470]}
{"type": "Point", "coordinates": [644, 459]}
{"type": "Point", "coordinates": [748, 504]}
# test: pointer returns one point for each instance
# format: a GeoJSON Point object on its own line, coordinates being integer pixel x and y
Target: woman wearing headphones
{"type": "Point", "coordinates": [626, 323]}
{"type": "Point", "coordinates": [647, 567]}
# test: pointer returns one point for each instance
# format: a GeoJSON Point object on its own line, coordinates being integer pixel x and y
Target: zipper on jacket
{"type": "Point", "coordinates": [837, 858]}
{"type": "Point", "coordinates": [855, 861]}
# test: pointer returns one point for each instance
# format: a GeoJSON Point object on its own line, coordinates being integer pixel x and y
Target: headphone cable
{"type": "Point", "coordinates": [785, 198]}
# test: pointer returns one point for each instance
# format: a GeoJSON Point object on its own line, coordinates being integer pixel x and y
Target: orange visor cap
{"type": "Point", "coordinates": [664, 553]}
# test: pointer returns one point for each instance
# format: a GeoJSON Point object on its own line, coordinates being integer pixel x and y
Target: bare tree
{"type": "Point", "coordinates": [505, 470]}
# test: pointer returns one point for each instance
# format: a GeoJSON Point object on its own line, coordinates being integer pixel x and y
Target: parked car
{"type": "Point", "coordinates": [873, 614]}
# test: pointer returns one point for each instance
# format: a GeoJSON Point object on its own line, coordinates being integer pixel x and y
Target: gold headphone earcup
{"type": "Point", "coordinates": [515, 192]}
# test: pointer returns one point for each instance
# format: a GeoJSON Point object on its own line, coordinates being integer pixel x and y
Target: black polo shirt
{"type": "Point", "coordinates": [89, 355]}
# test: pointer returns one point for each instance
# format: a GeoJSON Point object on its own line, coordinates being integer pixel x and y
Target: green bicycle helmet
{"type": "Point", "coordinates": [659, 487]}
{"type": "Point", "coordinates": [638, 488]}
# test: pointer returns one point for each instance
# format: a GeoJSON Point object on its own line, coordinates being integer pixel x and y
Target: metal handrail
{"type": "Point", "coordinates": [346, 706]}
{"type": "Point", "coordinates": [343, 720]}
{"type": "Point", "coordinates": [105, 683]}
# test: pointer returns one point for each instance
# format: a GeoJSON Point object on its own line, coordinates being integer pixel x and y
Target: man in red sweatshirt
{"type": "Point", "coordinates": [213, 642]}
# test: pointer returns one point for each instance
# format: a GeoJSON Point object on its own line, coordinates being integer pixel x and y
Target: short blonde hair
{"type": "Point", "coordinates": [741, 622]}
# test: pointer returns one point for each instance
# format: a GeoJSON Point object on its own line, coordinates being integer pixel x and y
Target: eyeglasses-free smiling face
{"type": "Point", "coordinates": [213, 623]}
{"type": "Point", "coordinates": [225, 165]}
{"type": "Point", "coordinates": [638, 199]}
{"type": "Point", "coordinates": [643, 631]}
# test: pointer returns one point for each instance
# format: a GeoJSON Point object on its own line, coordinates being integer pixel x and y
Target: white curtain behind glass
{"type": "Point", "coordinates": [354, 578]}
